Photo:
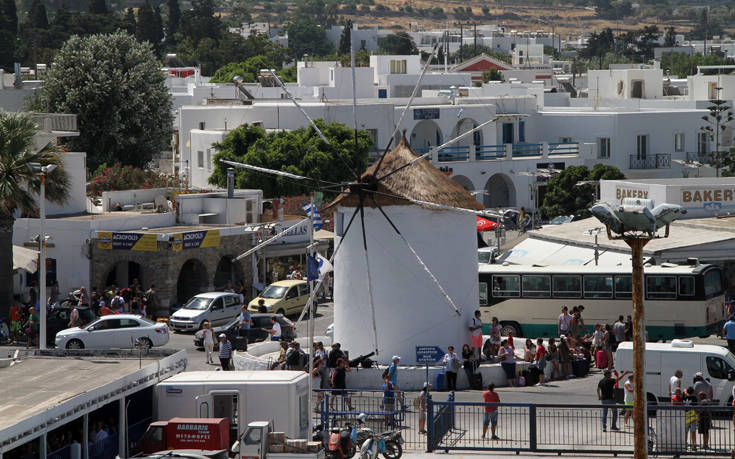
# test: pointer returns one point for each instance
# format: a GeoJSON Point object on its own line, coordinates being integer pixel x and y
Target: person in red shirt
{"type": "Point", "coordinates": [540, 360]}
{"type": "Point", "coordinates": [510, 340]}
{"type": "Point", "coordinates": [491, 412]}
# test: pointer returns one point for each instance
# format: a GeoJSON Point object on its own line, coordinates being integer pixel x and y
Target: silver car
{"type": "Point", "coordinates": [218, 308]}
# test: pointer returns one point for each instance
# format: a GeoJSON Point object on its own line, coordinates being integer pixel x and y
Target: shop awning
{"type": "Point", "coordinates": [285, 250]}
{"type": "Point", "coordinates": [24, 258]}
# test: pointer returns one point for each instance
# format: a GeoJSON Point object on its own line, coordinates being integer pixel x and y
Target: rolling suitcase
{"type": "Point", "coordinates": [476, 381]}
{"type": "Point", "coordinates": [601, 359]}
{"type": "Point", "coordinates": [533, 375]}
{"type": "Point", "coordinates": [439, 380]}
{"type": "Point", "coordinates": [580, 367]}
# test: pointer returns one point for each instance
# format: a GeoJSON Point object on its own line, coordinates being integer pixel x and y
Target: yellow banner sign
{"type": "Point", "coordinates": [127, 241]}
{"type": "Point", "coordinates": [196, 240]}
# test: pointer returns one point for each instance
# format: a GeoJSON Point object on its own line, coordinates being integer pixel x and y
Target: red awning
{"type": "Point", "coordinates": [483, 224]}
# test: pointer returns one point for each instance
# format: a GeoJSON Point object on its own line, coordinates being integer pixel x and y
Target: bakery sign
{"type": "Point", "coordinates": [624, 192]}
{"type": "Point", "coordinates": [706, 196]}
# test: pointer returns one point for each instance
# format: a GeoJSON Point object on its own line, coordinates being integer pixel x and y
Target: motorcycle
{"type": "Point", "coordinates": [389, 443]}
{"type": "Point", "coordinates": [341, 442]}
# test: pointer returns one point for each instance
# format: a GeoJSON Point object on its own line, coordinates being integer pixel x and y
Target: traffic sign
{"type": "Point", "coordinates": [428, 354]}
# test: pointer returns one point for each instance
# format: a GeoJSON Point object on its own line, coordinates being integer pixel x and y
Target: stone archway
{"type": "Point", "coordinates": [193, 279]}
{"type": "Point", "coordinates": [122, 273]}
{"type": "Point", "coordinates": [426, 134]}
{"type": "Point", "coordinates": [227, 270]}
{"type": "Point", "coordinates": [500, 192]}
{"type": "Point", "coordinates": [466, 125]}
{"type": "Point", "coordinates": [464, 182]}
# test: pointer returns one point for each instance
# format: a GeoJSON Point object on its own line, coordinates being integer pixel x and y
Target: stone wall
{"type": "Point", "coordinates": [162, 267]}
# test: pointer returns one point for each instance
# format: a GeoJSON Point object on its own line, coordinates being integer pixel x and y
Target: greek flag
{"type": "Point", "coordinates": [313, 213]}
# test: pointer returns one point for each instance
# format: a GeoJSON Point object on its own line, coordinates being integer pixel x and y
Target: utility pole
{"type": "Point", "coordinates": [640, 421]}
{"type": "Point", "coordinates": [461, 42]}
{"type": "Point", "coordinates": [475, 50]}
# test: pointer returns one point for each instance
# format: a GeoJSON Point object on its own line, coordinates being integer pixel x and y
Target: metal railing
{"type": "Point", "coordinates": [697, 156]}
{"type": "Point", "coordinates": [55, 121]}
{"type": "Point", "coordinates": [578, 428]}
{"type": "Point", "coordinates": [564, 148]}
{"type": "Point", "coordinates": [527, 149]}
{"type": "Point", "coordinates": [486, 152]}
{"type": "Point", "coordinates": [458, 153]}
{"type": "Point", "coordinates": [657, 161]}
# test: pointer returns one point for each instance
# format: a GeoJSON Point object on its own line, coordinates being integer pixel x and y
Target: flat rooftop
{"type": "Point", "coordinates": [38, 383]}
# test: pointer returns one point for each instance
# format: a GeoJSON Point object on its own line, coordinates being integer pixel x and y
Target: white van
{"type": "Point", "coordinates": [663, 359]}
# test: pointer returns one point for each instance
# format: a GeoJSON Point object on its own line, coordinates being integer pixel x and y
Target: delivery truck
{"type": "Point", "coordinates": [662, 360]}
{"type": "Point", "coordinates": [239, 396]}
{"type": "Point", "coordinates": [211, 434]}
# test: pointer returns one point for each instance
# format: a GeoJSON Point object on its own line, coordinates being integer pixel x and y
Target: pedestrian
{"type": "Point", "coordinates": [609, 343]}
{"type": "Point", "coordinates": [151, 301]}
{"type": "Point", "coordinates": [705, 419]}
{"type": "Point", "coordinates": [282, 354]}
{"type": "Point", "coordinates": [491, 412]}
{"type": "Point", "coordinates": [628, 398]}
{"type": "Point", "coordinates": [31, 327]}
{"type": "Point", "coordinates": [540, 360]}
{"type": "Point", "coordinates": [701, 386]}
{"type": "Point", "coordinates": [691, 419]}
{"type": "Point", "coordinates": [262, 308]}
{"type": "Point", "coordinates": [208, 340]}
{"type": "Point", "coordinates": [468, 362]}
{"type": "Point", "coordinates": [606, 395]}
{"type": "Point", "coordinates": [597, 337]}
{"type": "Point", "coordinates": [495, 331]}
{"type": "Point", "coordinates": [320, 353]}
{"type": "Point", "coordinates": [675, 382]}
{"type": "Point", "coordinates": [451, 366]}
{"type": "Point", "coordinates": [619, 332]}
{"type": "Point", "coordinates": [565, 357]}
{"type": "Point", "coordinates": [339, 383]}
{"type": "Point", "coordinates": [393, 370]}
{"type": "Point", "coordinates": [53, 299]}
{"type": "Point", "coordinates": [728, 331]}
{"type": "Point", "coordinates": [565, 321]}
{"type": "Point", "coordinates": [334, 355]}
{"type": "Point", "coordinates": [628, 328]}
{"type": "Point", "coordinates": [529, 350]}
{"type": "Point", "coordinates": [317, 374]}
{"type": "Point", "coordinates": [73, 316]}
{"type": "Point", "coordinates": [422, 400]}
{"type": "Point", "coordinates": [225, 352]}
{"type": "Point", "coordinates": [508, 362]}
{"type": "Point", "coordinates": [580, 319]}
{"type": "Point", "coordinates": [243, 321]}
{"type": "Point", "coordinates": [574, 325]}
{"type": "Point", "coordinates": [553, 357]}
{"type": "Point", "coordinates": [677, 398]}
{"type": "Point", "coordinates": [275, 330]}
{"type": "Point", "coordinates": [389, 403]}
{"type": "Point", "coordinates": [476, 330]}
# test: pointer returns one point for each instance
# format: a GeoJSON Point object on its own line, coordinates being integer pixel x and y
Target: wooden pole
{"type": "Point", "coordinates": [640, 422]}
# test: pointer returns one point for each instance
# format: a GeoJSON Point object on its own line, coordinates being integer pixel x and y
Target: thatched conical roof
{"type": "Point", "coordinates": [421, 181]}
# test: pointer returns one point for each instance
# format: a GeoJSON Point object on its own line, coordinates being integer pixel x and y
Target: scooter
{"type": "Point", "coordinates": [387, 443]}
{"type": "Point", "coordinates": [341, 443]}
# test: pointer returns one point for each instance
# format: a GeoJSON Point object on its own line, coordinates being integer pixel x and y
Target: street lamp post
{"type": "Point", "coordinates": [42, 171]}
{"type": "Point", "coordinates": [637, 222]}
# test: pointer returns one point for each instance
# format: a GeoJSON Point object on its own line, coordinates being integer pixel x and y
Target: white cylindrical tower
{"type": "Point", "coordinates": [409, 308]}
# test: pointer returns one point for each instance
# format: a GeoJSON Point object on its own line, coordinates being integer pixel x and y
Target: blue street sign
{"type": "Point", "coordinates": [428, 354]}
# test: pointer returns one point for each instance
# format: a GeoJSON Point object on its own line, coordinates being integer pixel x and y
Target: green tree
{"type": "Point", "coordinates": [720, 116]}
{"type": "Point", "coordinates": [19, 186]}
{"type": "Point", "coordinates": [128, 22]}
{"type": "Point", "coordinates": [199, 22]}
{"type": "Point", "coordinates": [399, 43]}
{"type": "Point", "coordinates": [300, 151]}
{"type": "Point", "coordinates": [470, 51]}
{"type": "Point", "coordinates": [249, 70]}
{"type": "Point", "coordinates": [492, 75]}
{"type": "Point", "coordinates": [345, 43]}
{"type": "Point", "coordinates": [306, 37]}
{"type": "Point", "coordinates": [37, 17]}
{"type": "Point", "coordinates": [564, 196]}
{"type": "Point", "coordinates": [8, 16]}
{"type": "Point", "coordinates": [670, 36]}
{"type": "Point", "coordinates": [210, 55]}
{"type": "Point", "coordinates": [124, 113]}
{"type": "Point", "coordinates": [146, 24]}
{"type": "Point", "coordinates": [172, 23]}
{"type": "Point", "coordinates": [98, 7]}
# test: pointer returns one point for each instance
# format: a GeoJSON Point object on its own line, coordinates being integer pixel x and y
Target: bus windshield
{"type": "Point", "coordinates": [712, 283]}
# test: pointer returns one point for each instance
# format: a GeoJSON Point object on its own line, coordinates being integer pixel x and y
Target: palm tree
{"type": "Point", "coordinates": [19, 188]}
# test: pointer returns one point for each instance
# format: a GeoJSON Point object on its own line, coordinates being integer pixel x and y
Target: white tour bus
{"type": "Point", "coordinates": [680, 300]}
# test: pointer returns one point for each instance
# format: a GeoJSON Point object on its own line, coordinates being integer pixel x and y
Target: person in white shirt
{"type": "Point", "coordinates": [565, 321]}
{"type": "Point", "coordinates": [101, 433]}
{"type": "Point", "coordinates": [208, 338]}
{"type": "Point", "coordinates": [628, 398]}
{"type": "Point", "coordinates": [451, 365]}
{"type": "Point", "coordinates": [476, 330]}
{"type": "Point", "coordinates": [675, 382]}
{"type": "Point", "coordinates": [275, 331]}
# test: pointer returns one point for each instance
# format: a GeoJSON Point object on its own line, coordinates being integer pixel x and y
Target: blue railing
{"type": "Point", "coordinates": [658, 161]}
{"type": "Point", "coordinates": [485, 152]}
{"type": "Point", "coordinates": [527, 149]}
{"type": "Point", "coordinates": [459, 153]}
{"type": "Point", "coordinates": [564, 148]}
{"type": "Point", "coordinates": [696, 156]}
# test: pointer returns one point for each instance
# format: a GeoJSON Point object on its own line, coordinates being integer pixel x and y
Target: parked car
{"type": "Point", "coordinates": [283, 297]}
{"type": "Point", "coordinates": [58, 319]}
{"type": "Point", "coordinates": [120, 331]}
{"type": "Point", "coordinates": [254, 333]}
{"type": "Point", "coordinates": [217, 307]}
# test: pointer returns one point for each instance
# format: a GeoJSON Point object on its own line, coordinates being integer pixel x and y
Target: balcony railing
{"type": "Point", "coordinates": [485, 152]}
{"type": "Point", "coordinates": [500, 151]}
{"type": "Point", "coordinates": [527, 149]}
{"type": "Point", "coordinates": [657, 161]}
{"type": "Point", "coordinates": [49, 122]}
{"type": "Point", "coordinates": [459, 153]}
{"type": "Point", "coordinates": [566, 148]}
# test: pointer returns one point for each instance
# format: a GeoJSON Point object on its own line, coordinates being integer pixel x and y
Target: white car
{"type": "Point", "coordinates": [115, 331]}
{"type": "Point", "coordinates": [219, 308]}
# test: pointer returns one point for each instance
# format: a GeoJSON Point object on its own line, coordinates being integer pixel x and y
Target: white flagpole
{"type": "Point", "coordinates": [311, 314]}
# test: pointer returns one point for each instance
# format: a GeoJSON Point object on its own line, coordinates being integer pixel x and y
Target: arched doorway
{"type": "Point", "coordinates": [466, 125]}
{"type": "Point", "coordinates": [123, 273]}
{"type": "Point", "coordinates": [426, 134]}
{"type": "Point", "coordinates": [192, 279]}
{"type": "Point", "coordinates": [464, 182]}
{"type": "Point", "coordinates": [500, 192]}
{"type": "Point", "coordinates": [227, 270]}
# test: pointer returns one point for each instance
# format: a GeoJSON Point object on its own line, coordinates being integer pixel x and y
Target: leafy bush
{"type": "Point", "coordinates": [119, 177]}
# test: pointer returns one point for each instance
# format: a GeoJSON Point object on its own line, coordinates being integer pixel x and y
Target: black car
{"type": "Point", "coordinates": [254, 334]}
{"type": "Point", "coordinates": [58, 319]}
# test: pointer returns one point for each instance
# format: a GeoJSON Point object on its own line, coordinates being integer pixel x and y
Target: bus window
{"type": "Point", "coordinates": [623, 287]}
{"type": "Point", "coordinates": [598, 286]}
{"type": "Point", "coordinates": [661, 287]}
{"type": "Point", "coordinates": [567, 286]}
{"type": "Point", "coordinates": [717, 368]}
{"type": "Point", "coordinates": [686, 285]}
{"type": "Point", "coordinates": [506, 286]}
{"type": "Point", "coordinates": [712, 283]}
{"type": "Point", "coordinates": [483, 294]}
{"type": "Point", "coordinates": [536, 286]}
